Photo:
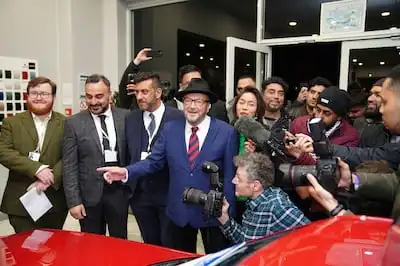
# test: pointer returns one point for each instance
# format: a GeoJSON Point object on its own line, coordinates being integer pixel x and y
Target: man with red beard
{"type": "Point", "coordinates": [30, 147]}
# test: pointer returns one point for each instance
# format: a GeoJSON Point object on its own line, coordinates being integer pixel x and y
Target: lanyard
{"type": "Point", "coordinates": [42, 128]}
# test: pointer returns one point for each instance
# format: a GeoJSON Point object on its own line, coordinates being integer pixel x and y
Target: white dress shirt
{"type": "Point", "coordinates": [158, 115]}
{"type": "Point", "coordinates": [204, 126]}
{"type": "Point", "coordinates": [112, 136]}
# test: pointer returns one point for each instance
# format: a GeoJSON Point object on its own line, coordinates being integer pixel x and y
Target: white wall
{"type": "Point", "coordinates": [67, 37]}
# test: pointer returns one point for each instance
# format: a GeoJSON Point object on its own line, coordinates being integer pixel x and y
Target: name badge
{"type": "Point", "coordinates": [110, 156]}
{"type": "Point", "coordinates": [144, 155]}
{"type": "Point", "coordinates": [34, 156]}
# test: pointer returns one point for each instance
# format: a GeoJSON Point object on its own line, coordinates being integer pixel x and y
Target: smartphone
{"type": "Point", "coordinates": [155, 53]}
{"type": "Point", "coordinates": [131, 78]}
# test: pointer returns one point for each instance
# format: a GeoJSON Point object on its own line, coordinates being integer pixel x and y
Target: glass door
{"type": "Point", "coordinates": [245, 58]}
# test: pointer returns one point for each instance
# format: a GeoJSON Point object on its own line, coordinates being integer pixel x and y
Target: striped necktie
{"type": "Point", "coordinates": [193, 150]}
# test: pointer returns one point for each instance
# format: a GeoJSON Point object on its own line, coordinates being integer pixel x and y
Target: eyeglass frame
{"type": "Point", "coordinates": [197, 102]}
{"type": "Point", "coordinates": [42, 94]}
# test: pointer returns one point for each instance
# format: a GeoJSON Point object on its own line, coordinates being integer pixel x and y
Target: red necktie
{"type": "Point", "coordinates": [193, 147]}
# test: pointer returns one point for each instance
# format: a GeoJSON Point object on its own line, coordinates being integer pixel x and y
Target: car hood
{"type": "Point", "coordinates": [56, 247]}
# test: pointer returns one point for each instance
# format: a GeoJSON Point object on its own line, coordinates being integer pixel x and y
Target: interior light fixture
{"type": "Point", "coordinates": [187, 54]}
{"type": "Point", "coordinates": [201, 58]}
{"type": "Point", "coordinates": [385, 14]}
{"type": "Point", "coordinates": [382, 63]}
{"type": "Point", "coordinates": [393, 28]}
{"type": "Point", "coordinates": [292, 23]}
{"type": "Point", "coordinates": [355, 60]}
{"type": "Point", "coordinates": [398, 47]}
{"type": "Point", "coordinates": [202, 45]}
{"type": "Point", "coordinates": [216, 66]}
{"type": "Point", "coordinates": [360, 64]}
{"type": "Point", "coordinates": [211, 58]}
{"type": "Point", "coordinates": [369, 75]}
{"type": "Point", "coordinates": [247, 65]}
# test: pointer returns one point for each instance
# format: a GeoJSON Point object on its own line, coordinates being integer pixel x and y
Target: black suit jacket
{"type": "Point", "coordinates": [152, 189]}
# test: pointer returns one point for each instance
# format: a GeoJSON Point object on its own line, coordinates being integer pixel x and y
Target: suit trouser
{"type": "Point", "coordinates": [185, 238]}
{"type": "Point", "coordinates": [152, 222]}
{"type": "Point", "coordinates": [112, 210]}
{"type": "Point", "coordinates": [51, 220]}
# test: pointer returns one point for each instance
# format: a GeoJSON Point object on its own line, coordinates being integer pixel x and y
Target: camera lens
{"type": "Point", "coordinates": [195, 196]}
{"type": "Point", "coordinates": [294, 175]}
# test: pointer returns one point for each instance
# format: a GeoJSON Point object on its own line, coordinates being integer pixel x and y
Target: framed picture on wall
{"type": "Point", "coordinates": [346, 16]}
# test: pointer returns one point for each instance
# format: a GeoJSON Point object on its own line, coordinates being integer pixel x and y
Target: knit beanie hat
{"type": "Point", "coordinates": [335, 99]}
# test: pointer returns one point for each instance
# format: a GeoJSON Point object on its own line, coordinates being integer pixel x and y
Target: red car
{"type": "Point", "coordinates": [344, 240]}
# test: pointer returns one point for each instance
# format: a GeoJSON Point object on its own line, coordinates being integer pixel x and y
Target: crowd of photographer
{"type": "Point", "coordinates": [287, 168]}
{"type": "Point", "coordinates": [186, 164]}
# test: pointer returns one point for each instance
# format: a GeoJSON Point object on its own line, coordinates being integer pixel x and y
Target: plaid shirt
{"type": "Point", "coordinates": [270, 212]}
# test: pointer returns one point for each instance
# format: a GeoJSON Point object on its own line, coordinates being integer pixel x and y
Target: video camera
{"type": "Point", "coordinates": [325, 169]}
{"type": "Point", "coordinates": [211, 201]}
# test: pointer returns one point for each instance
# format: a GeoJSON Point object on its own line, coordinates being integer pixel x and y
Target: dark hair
{"type": "Point", "coordinates": [319, 81]}
{"type": "Point", "coordinates": [260, 111]}
{"type": "Point", "coordinates": [359, 99]}
{"type": "Point", "coordinates": [394, 77]}
{"type": "Point", "coordinates": [247, 76]}
{"type": "Point", "coordinates": [143, 76]}
{"type": "Point", "coordinates": [379, 82]}
{"type": "Point", "coordinates": [96, 78]}
{"type": "Point", "coordinates": [276, 80]}
{"type": "Point", "coordinates": [183, 70]}
{"type": "Point", "coordinates": [374, 167]}
{"type": "Point", "coordinates": [258, 167]}
{"type": "Point", "coordinates": [42, 80]}
{"type": "Point", "coordinates": [302, 85]}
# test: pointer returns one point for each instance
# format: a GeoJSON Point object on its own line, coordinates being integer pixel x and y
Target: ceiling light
{"type": "Point", "coordinates": [393, 28]}
{"type": "Point", "coordinates": [398, 47]}
{"type": "Point", "coordinates": [355, 60]}
{"type": "Point", "coordinates": [382, 63]}
{"type": "Point", "coordinates": [201, 58]}
{"type": "Point", "coordinates": [202, 45]}
{"type": "Point", "coordinates": [360, 64]}
{"type": "Point", "coordinates": [369, 75]}
{"type": "Point", "coordinates": [216, 66]}
{"type": "Point", "coordinates": [315, 35]}
{"type": "Point", "coordinates": [247, 65]}
{"type": "Point", "coordinates": [211, 59]}
{"type": "Point", "coordinates": [292, 23]}
{"type": "Point", "coordinates": [187, 54]}
{"type": "Point", "coordinates": [385, 14]}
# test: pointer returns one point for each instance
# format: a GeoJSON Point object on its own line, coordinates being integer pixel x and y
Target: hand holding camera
{"type": "Point", "coordinates": [298, 145]}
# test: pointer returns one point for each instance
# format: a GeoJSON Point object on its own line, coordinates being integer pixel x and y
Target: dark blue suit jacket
{"type": "Point", "coordinates": [220, 147]}
{"type": "Point", "coordinates": [153, 189]}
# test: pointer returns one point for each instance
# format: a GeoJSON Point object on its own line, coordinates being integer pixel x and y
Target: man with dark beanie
{"type": "Point", "coordinates": [332, 107]}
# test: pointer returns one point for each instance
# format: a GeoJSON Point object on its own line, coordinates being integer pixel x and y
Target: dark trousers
{"type": "Point", "coordinates": [52, 220]}
{"type": "Point", "coordinates": [112, 210]}
{"type": "Point", "coordinates": [185, 238]}
{"type": "Point", "coordinates": [153, 223]}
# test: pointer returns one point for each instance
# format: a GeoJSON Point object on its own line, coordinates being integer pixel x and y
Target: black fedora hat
{"type": "Point", "coordinates": [197, 85]}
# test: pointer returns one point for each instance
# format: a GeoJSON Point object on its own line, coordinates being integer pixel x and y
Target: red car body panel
{"type": "Point", "coordinates": [345, 240]}
{"type": "Point", "coordinates": [75, 248]}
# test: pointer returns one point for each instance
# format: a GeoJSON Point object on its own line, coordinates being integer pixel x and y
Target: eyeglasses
{"type": "Point", "coordinates": [42, 94]}
{"type": "Point", "coordinates": [197, 102]}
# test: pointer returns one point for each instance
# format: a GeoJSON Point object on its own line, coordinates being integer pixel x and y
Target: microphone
{"type": "Point", "coordinates": [253, 130]}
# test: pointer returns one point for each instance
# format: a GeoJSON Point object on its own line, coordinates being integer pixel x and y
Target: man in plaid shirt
{"type": "Point", "coordinates": [269, 209]}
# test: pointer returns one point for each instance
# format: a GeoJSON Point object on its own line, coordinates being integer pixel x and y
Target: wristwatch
{"type": "Point", "coordinates": [336, 210]}
{"type": "Point", "coordinates": [355, 182]}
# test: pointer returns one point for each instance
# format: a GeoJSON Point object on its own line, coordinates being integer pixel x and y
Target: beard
{"type": "Point", "coordinates": [373, 114]}
{"type": "Point", "coordinates": [40, 111]}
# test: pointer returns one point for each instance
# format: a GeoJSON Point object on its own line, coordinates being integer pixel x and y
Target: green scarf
{"type": "Point", "coordinates": [242, 139]}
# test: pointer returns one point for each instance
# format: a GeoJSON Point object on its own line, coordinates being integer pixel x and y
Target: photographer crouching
{"type": "Point", "coordinates": [268, 209]}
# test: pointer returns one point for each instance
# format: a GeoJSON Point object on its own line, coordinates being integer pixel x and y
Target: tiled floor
{"type": "Point", "coordinates": [73, 225]}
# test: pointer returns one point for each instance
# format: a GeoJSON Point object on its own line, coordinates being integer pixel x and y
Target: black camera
{"type": "Point", "coordinates": [211, 201]}
{"type": "Point", "coordinates": [325, 169]}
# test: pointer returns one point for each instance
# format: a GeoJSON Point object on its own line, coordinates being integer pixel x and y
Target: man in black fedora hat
{"type": "Point", "coordinates": [184, 145]}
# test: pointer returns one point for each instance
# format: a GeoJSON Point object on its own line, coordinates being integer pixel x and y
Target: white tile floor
{"type": "Point", "coordinates": [73, 225]}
